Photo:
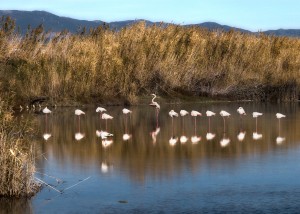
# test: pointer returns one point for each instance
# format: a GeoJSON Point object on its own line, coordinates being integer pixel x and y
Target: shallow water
{"type": "Point", "coordinates": [147, 174]}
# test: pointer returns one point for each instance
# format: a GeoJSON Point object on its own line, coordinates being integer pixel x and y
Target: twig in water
{"type": "Point", "coordinates": [76, 184]}
{"type": "Point", "coordinates": [57, 179]}
{"type": "Point", "coordinates": [48, 185]}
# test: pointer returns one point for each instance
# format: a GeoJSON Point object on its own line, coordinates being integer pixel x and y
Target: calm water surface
{"type": "Point", "coordinates": [148, 174]}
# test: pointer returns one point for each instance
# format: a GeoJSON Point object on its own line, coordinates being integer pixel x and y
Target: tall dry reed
{"type": "Point", "coordinates": [122, 65]}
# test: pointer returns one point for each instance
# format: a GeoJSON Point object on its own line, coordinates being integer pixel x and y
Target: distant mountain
{"type": "Point", "coordinates": [213, 26]}
{"type": "Point", "coordinates": [56, 23]}
{"type": "Point", "coordinates": [50, 21]}
{"type": "Point", "coordinates": [283, 32]}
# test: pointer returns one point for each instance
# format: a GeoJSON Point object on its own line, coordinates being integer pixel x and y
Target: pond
{"type": "Point", "coordinates": [154, 165]}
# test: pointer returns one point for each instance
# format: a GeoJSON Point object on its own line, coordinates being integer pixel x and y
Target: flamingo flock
{"type": "Point", "coordinates": [107, 138]}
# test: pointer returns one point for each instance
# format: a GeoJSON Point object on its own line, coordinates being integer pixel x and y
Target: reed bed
{"type": "Point", "coordinates": [105, 65]}
{"type": "Point", "coordinates": [16, 158]}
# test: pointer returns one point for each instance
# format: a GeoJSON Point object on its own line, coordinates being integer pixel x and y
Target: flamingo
{"type": "Point", "coordinates": [279, 139]}
{"type": "Point", "coordinates": [256, 115]}
{"type": "Point", "coordinates": [153, 103]}
{"type": "Point", "coordinates": [183, 113]}
{"type": "Point", "coordinates": [79, 135]}
{"type": "Point", "coordinates": [209, 135]}
{"type": "Point", "coordinates": [46, 135]}
{"type": "Point", "coordinates": [241, 111]}
{"type": "Point", "coordinates": [256, 135]}
{"type": "Point", "coordinates": [224, 114]}
{"type": "Point", "coordinates": [156, 106]}
{"type": "Point", "coordinates": [106, 117]}
{"type": "Point", "coordinates": [195, 139]}
{"type": "Point", "coordinates": [172, 114]}
{"type": "Point", "coordinates": [103, 134]}
{"type": "Point", "coordinates": [100, 109]}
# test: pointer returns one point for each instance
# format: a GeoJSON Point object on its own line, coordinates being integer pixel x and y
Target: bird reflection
{"type": "Point", "coordinates": [279, 139]}
{"type": "Point", "coordinates": [241, 135]}
{"type": "Point", "coordinates": [46, 136]}
{"type": "Point", "coordinates": [224, 141]}
{"type": "Point", "coordinates": [173, 141]}
{"type": "Point", "coordinates": [154, 134]}
{"type": "Point", "coordinates": [257, 136]}
{"type": "Point", "coordinates": [106, 167]}
{"type": "Point", "coordinates": [210, 136]}
{"type": "Point", "coordinates": [79, 136]}
{"type": "Point", "coordinates": [106, 143]}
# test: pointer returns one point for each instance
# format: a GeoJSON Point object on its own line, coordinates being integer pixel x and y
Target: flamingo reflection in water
{"type": "Point", "coordinates": [195, 139]}
{"type": "Point", "coordinates": [173, 140]}
{"type": "Point", "coordinates": [79, 135]}
{"type": "Point", "coordinates": [224, 141]}
{"type": "Point", "coordinates": [47, 134]}
{"type": "Point", "coordinates": [256, 135]}
{"type": "Point", "coordinates": [210, 135]}
{"type": "Point", "coordinates": [279, 139]}
{"type": "Point", "coordinates": [126, 135]}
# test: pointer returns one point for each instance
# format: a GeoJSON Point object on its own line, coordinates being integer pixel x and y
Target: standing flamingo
{"type": "Point", "coordinates": [106, 117]}
{"type": "Point", "coordinates": [46, 135]}
{"type": "Point", "coordinates": [183, 138]}
{"type": "Point", "coordinates": [256, 135]}
{"type": "Point", "coordinates": [172, 114]}
{"type": "Point", "coordinates": [224, 114]}
{"type": "Point", "coordinates": [209, 135]}
{"type": "Point", "coordinates": [156, 106]}
{"type": "Point", "coordinates": [241, 111]}
{"type": "Point", "coordinates": [195, 139]}
{"type": "Point", "coordinates": [279, 139]}
{"type": "Point", "coordinates": [79, 135]}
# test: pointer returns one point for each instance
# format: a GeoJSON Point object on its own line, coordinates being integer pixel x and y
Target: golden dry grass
{"type": "Point", "coordinates": [104, 64]}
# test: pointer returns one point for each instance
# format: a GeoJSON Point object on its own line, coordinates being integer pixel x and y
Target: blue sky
{"type": "Point", "coordinates": [249, 14]}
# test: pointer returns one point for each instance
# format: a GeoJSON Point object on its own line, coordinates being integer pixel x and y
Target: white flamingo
{"type": "Point", "coordinates": [172, 114]}
{"type": "Point", "coordinates": [241, 111]}
{"type": "Point", "coordinates": [156, 106]}
{"type": "Point", "coordinates": [279, 139]}
{"type": "Point", "coordinates": [103, 134]}
{"type": "Point", "coordinates": [106, 117]}
{"type": "Point", "coordinates": [195, 139]}
{"type": "Point", "coordinates": [46, 135]}
{"type": "Point", "coordinates": [256, 115]}
{"type": "Point", "coordinates": [224, 114]}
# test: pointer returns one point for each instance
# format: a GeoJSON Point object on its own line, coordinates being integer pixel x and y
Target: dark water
{"type": "Point", "coordinates": [146, 174]}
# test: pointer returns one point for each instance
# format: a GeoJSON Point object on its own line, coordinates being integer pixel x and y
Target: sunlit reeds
{"type": "Point", "coordinates": [122, 65]}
